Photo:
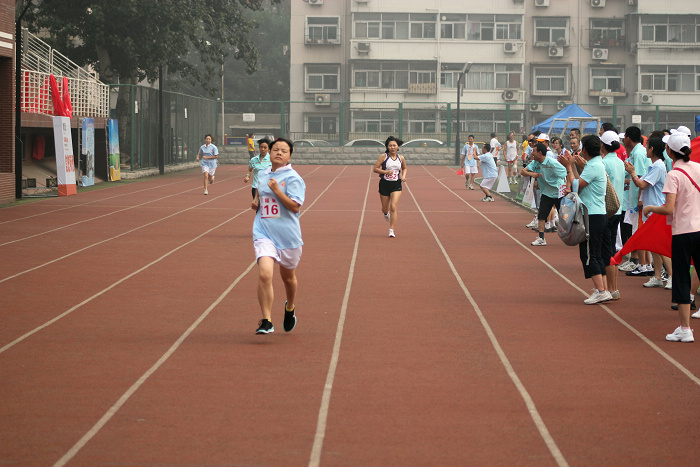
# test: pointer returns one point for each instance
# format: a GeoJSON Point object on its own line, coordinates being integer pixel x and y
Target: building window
{"type": "Point", "coordinates": [489, 76]}
{"type": "Point", "coordinates": [322, 78]}
{"type": "Point", "coordinates": [551, 31]}
{"type": "Point", "coordinates": [373, 122]}
{"type": "Point", "coordinates": [611, 79]}
{"type": "Point", "coordinates": [673, 28]}
{"type": "Point", "coordinates": [422, 25]}
{"type": "Point", "coordinates": [384, 75]}
{"type": "Point", "coordinates": [453, 26]}
{"type": "Point", "coordinates": [670, 78]}
{"type": "Point", "coordinates": [322, 30]}
{"type": "Point", "coordinates": [381, 25]}
{"type": "Point", "coordinates": [321, 124]}
{"type": "Point", "coordinates": [418, 121]}
{"type": "Point", "coordinates": [551, 81]}
{"type": "Point", "coordinates": [494, 27]}
{"type": "Point", "coordinates": [606, 33]}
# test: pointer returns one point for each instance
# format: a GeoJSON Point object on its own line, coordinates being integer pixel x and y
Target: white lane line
{"type": "Point", "coordinates": [529, 403]}
{"type": "Point", "coordinates": [116, 236]}
{"type": "Point", "coordinates": [96, 217]}
{"type": "Point", "coordinates": [73, 451]}
{"type": "Point", "coordinates": [316, 449]}
{"type": "Point", "coordinates": [641, 336]}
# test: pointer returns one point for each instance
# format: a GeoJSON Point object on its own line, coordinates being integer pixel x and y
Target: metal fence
{"type": "Point", "coordinates": [186, 121]}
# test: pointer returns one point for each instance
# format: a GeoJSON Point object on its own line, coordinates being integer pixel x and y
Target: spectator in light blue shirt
{"type": "Point", "coordinates": [489, 171]}
{"type": "Point", "coordinates": [615, 169]}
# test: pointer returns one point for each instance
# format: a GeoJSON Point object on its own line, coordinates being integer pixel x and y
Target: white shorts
{"type": "Point", "coordinates": [288, 259]}
{"type": "Point", "coordinates": [208, 170]}
{"type": "Point", "coordinates": [488, 182]}
{"type": "Point", "coordinates": [471, 169]}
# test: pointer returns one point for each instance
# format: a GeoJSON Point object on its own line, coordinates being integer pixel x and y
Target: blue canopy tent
{"type": "Point", "coordinates": [570, 111]}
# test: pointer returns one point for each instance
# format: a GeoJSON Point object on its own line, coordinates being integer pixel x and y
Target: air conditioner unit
{"type": "Point", "coordinates": [541, 2]}
{"type": "Point", "coordinates": [556, 51]}
{"type": "Point", "coordinates": [509, 95]}
{"type": "Point", "coordinates": [562, 104]}
{"type": "Point", "coordinates": [510, 47]}
{"type": "Point", "coordinates": [363, 47]}
{"type": "Point", "coordinates": [597, 3]}
{"type": "Point", "coordinates": [599, 54]}
{"type": "Point", "coordinates": [315, 2]}
{"type": "Point", "coordinates": [535, 108]}
{"type": "Point", "coordinates": [606, 100]}
{"type": "Point", "coordinates": [322, 99]}
{"type": "Point", "coordinates": [646, 99]}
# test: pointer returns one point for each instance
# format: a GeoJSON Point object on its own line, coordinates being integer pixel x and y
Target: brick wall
{"type": "Point", "coordinates": [7, 101]}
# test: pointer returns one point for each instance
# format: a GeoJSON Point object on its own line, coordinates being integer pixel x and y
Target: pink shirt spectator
{"type": "Point", "coordinates": [686, 213]}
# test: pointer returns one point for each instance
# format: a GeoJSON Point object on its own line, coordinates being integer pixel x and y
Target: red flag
{"type": "Point", "coordinates": [695, 148]}
{"type": "Point", "coordinates": [56, 98]}
{"type": "Point", "coordinates": [460, 172]}
{"type": "Point", "coordinates": [67, 106]}
{"type": "Point", "coordinates": [654, 235]}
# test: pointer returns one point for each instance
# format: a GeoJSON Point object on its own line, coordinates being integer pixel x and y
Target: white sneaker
{"type": "Point", "coordinates": [539, 241]}
{"type": "Point", "coordinates": [485, 199]}
{"type": "Point", "coordinates": [206, 192]}
{"type": "Point", "coordinates": [654, 282]}
{"type": "Point", "coordinates": [212, 180]}
{"type": "Point", "coordinates": [615, 295]}
{"type": "Point", "coordinates": [597, 296]}
{"type": "Point", "coordinates": [391, 233]}
{"type": "Point", "coordinates": [669, 284]}
{"type": "Point", "coordinates": [471, 187]}
{"type": "Point", "coordinates": [532, 224]}
{"type": "Point", "coordinates": [681, 335]}
{"type": "Point", "coordinates": [696, 314]}
{"type": "Point", "coordinates": [628, 266]}
{"type": "Point", "coordinates": [387, 216]}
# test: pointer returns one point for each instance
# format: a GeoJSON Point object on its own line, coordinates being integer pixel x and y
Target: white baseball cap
{"type": "Point", "coordinates": [677, 141]}
{"type": "Point", "coordinates": [543, 137]}
{"type": "Point", "coordinates": [682, 129]}
{"type": "Point", "coordinates": [609, 137]}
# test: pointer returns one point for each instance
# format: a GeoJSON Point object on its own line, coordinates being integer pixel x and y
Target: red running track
{"type": "Point", "coordinates": [128, 317]}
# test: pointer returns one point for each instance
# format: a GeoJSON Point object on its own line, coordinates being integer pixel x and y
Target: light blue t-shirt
{"type": "Point", "coordinates": [656, 177]}
{"type": "Point", "coordinates": [553, 175]}
{"type": "Point", "coordinates": [638, 158]}
{"type": "Point", "coordinates": [208, 151]}
{"type": "Point", "coordinates": [593, 194]}
{"type": "Point", "coordinates": [257, 165]}
{"type": "Point", "coordinates": [488, 166]}
{"type": "Point", "coordinates": [668, 162]}
{"type": "Point", "coordinates": [615, 169]}
{"type": "Point", "coordinates": [273, 221]}
{"type": "Point", "coordinates": [465, 152]}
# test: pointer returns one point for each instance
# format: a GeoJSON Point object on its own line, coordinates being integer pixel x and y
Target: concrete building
{"type": "Point", "coordinates": [369, 68]}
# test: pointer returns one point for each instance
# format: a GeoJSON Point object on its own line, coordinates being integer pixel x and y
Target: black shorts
{"type": "Point", "coordinates": [386, 188]}
{"type": "Point", "coordinates": [684, 247]}
{"type": "Point", "coordinates": [545, 208]}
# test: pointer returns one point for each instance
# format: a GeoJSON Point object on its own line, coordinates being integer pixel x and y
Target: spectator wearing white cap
{"type": "Point", "coordinates": [638, 158]}
{"type": "Point", "coordinates": [615, 169]}
{"type": "Point", "coordinates": [651, 186]}
{"type": "Point", "coordinates": [682, 189]}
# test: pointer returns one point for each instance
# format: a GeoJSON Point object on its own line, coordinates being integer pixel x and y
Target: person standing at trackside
{"type": "Point", "coordinates": [495, 148]}
{"type": "Point", "coordinates": [277, 233]}
{"type": "Point", "coordinates": [591, 186]}
{"type": "Point", "coordinates": [210, 156]}
{"type": "Point", "coordinates": [391, 167]}
{"type": "Point", "coordinates": [258, 163]}
{"type": "Point", "coordinates": [511, 157]}
{"type": "Point", "coordinates": [615, 169]}
{"type": "Point", "coordinates": [469, 153]}
{"type": "Point", "coordinates": [550, 174]}
{"type": "Point", "coordinates": [682, 189]}
{"type": "Point", "coordinates": [249, 141]}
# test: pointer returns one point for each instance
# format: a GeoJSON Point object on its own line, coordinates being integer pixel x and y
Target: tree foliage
{"type": "Point", "coordinates": [129, 40]}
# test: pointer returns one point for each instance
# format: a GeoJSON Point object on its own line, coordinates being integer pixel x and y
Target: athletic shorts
{"type": "Point", "coordinates": [288, 258]}
{"type": "Point", "coordinates": [471, 169]}
{"type": "Point", "coordinates": [488, 182]}
{"type": "Point", "coordinates": [208, 170]}
{"type": "Point", "coordinates": [545, 208]}
{"type": "Point", "coordinates": [386, 187]}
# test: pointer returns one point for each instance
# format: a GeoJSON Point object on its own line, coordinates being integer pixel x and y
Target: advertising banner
{"type": "Point", "coordinates": [65, 161]}
{"type": "Point", "coordinates": [89, 151]}
{"type": "Point", "coordinates": [113, 150]}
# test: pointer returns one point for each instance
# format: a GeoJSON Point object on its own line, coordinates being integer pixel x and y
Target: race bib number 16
{"type": "Point", "coordinates": [269, 207]}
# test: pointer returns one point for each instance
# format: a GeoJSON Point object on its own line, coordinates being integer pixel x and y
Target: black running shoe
{"type": "Point", "coordinates": [265, 327]}
{"type": "Point", "coordinates": [290, 319]}
{"type": "Point", "coordinates": [636, 273]}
